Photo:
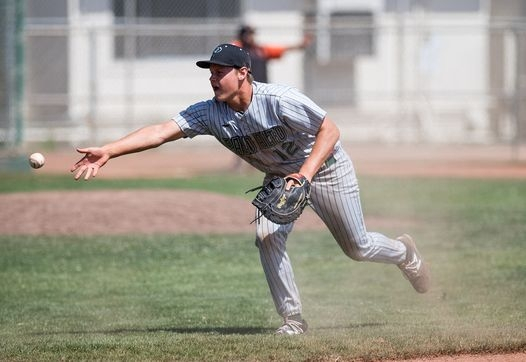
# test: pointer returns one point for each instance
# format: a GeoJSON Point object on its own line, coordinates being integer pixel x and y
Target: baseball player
{"type": "Point", "coordinates": [279, 131]}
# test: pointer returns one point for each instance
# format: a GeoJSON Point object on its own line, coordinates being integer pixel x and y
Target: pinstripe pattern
{"type": "Point", "coordinates": [335, 198]}
{"type": "Point", "coordinates": [275, 135]}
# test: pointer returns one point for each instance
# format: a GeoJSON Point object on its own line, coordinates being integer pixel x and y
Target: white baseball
{"type": "Point", "coordinates": [37, 160]}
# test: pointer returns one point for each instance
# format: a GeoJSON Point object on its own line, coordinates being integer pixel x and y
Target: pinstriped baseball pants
{"type": "Point", "coordinates": [335, 198]}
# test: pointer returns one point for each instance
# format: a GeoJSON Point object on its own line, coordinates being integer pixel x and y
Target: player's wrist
{"type": "Point", "coordinates": [308, 175]}
{"type": "Point", "coordinates": [109, 151]}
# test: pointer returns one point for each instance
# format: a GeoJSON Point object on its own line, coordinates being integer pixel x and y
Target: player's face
{"type": "Point", "coordinates": [224, 82]}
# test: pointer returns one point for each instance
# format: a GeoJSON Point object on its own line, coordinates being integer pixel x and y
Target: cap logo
{"type": "Point", "coordinates": [226, 55]}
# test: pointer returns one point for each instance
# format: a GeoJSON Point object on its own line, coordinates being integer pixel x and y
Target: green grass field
{"type": "Point", "coordinates": [204, 298]}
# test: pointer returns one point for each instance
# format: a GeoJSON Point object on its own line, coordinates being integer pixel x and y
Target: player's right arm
{"type": "Point", "coordinates": [142, 139]}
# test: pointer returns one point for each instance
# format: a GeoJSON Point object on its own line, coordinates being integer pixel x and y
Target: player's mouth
{"type": "Point", "coordinates": [216, 89]}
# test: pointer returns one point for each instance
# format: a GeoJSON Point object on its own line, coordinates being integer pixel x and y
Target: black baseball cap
{"type": "Point", "coordinates": [227, 55]}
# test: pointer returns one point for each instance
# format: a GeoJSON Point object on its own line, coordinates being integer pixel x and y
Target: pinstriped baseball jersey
{"type": "Point", "coordinates": [275, 134]}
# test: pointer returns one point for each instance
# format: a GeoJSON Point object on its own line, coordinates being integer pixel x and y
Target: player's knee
{"type": "Point", "coordinates": [355, 255]}
{"type": "Point", "coordinates": [358, 251]}
{"type": "Point", "coordinates": [361, 256]}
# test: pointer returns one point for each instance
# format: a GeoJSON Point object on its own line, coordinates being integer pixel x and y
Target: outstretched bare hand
{"type": "Point", "coordinates": [94, 158]}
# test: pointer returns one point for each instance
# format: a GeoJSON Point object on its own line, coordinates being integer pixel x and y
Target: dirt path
{"type": "Point", "coordinates": [165, 211]}
{"type": "Point", "coordinates": [390, 160]}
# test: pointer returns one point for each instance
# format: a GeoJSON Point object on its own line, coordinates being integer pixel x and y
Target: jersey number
{"type": "Point", "coordinates": [289, 149]}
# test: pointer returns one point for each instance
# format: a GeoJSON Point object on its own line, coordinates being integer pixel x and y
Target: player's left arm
{"type": "Point", "coordinates": [326, 138]}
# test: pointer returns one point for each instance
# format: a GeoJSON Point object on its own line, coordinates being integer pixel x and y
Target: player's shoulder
{"type": "Point", "coordinates": [271, 89]}
{"type": "Point", "coordinates": [205, 106]}
{"type": "Point", "coordinates": [205, 110]}
{"type": "Point", "coordinates": [280, 93]}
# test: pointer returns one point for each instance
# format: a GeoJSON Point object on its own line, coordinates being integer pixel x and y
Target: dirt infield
{"type": "Point", "coordinates": [187, 159]}
{"type": "Point", "coordinates": [87, 213]}
{"type": "Point", "coordinates": [516, 357]}
{"type": "Point", "coordinates": [137, 212]}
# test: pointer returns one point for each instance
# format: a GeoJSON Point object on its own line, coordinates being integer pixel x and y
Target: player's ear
{"type": "Point", "coordinates": [242, 73]}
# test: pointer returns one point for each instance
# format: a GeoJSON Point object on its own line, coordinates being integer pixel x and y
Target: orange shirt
{"type": "Point", "coordinates": [267, 51]}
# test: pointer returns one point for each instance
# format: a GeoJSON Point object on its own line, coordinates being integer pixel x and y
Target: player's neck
{"type": "Point", "coordinates": [241, 101]}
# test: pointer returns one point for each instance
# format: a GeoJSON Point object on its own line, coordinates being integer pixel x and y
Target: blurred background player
{"type": "Point", "coordinates": [260, 54]}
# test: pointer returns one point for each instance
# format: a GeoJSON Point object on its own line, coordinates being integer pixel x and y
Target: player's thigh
{"type": "Point", "coordinates": [339, 206]}
{"type": "Point", "coordinates": [271, 235]}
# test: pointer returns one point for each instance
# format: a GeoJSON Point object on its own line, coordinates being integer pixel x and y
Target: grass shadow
{"type": "Point", "coordinates": [178, 330]}
{"type": "Point", "coordinates": [202, 330]}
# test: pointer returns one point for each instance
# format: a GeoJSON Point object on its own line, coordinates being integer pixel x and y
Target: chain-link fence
{"type": "Point", "coordinates": [11, 73]}
{"type": "Point", "coordinates": [94, 69]}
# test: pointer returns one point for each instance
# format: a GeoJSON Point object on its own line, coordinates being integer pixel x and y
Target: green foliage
{"type": "Point", "coordinates": [196, 298]}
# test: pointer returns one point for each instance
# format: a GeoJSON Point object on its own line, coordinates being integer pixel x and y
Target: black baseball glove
{"type": "Point", "coordinates": [280, 205]}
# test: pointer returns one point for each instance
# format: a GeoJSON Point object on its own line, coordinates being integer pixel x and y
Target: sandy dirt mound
{"type": "Point", "coordinates": [136, 212]}
{"type": "Point", "coordinates": [163, 211]}
{"type": "Point", "coordinates": [125, 212]}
